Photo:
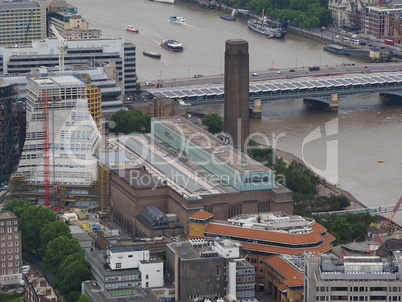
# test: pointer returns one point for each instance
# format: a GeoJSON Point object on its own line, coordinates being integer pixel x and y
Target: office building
{"type": "Point", "coordinates": [123, 271]}
{"type": "Point", "coordinates": [379, 21]}
{"type": "Point", "coordinates": [9, 132]}
{"type": "Point", "coordinates": [284, 277]}
{"type": "Point", "coordinates": [263, 235]}
{"type": "Point", "coordinates": [45, 53]}
{"type": "Point", "coordinates": [352, 278]}
{"type": "Point", "coordinates": [22, 22]}
{"type": "Point", "coordinates": [11, 249]}
{"type": "Point", "coordinates": [236, 106]}
{"type": "Point", "coordinates": [220, 270]}
{"type": "Point", "coordinates": [72, 137]}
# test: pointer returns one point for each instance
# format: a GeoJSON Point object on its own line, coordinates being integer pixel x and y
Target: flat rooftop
{"type": "Point", "coordinates": [212, 145]}
{"type": "Point", "coordinates": [127, 248]}
{"type": "Point", "coordinates": [61, 81]}
{"type": "Point", "coordinates": [97, 258]}
{"type": "Point", "coordinates": [140, 295]}
{"type": "Point", "coordinates": [188, 251]}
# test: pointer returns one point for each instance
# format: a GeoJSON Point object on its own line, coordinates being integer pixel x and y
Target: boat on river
{"type": "Point", "coordinates": [164, 1]}
{"type": "Point", "coordinates": [231, 17]}
{"type": "Point", "coordinates": [177, 20]}
{"type": "Point", "coordinates": [172, 45]}
{"type": "Point", "coordinates": [261, 26]}
{"type": "Point", "coordinates": [131, 28]}
{"type": "Point", "coordinates": [151, 54]}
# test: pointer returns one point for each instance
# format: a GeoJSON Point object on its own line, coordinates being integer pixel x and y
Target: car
{"type": "Point", "coordinates": [255, 74]}
{"type": "Point", "coordinates": [337, 37]}
{"type": "Point", "coordinates": [332, 67]}
{"type": "Point", "coordinates": [5, 288]}
{"type": "Point", "coordinates": [149, 84]}
{"type": "Point", "coordinates": [278, 71]}
{"type": "Point", "coordinates": [292, 70]}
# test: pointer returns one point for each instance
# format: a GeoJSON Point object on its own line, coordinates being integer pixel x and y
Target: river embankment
{"type": "Point", "coordinates": [325, 187]}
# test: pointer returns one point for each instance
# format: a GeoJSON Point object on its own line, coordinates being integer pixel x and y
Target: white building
{"type": "Point", "coordinates": [352, 278]}
{"type": "Point", "coordinates": [72, 133]}
{"type": "Point", "coordinates": [126, 257]}
{"type": "Point", "coordinates": [151, 273]}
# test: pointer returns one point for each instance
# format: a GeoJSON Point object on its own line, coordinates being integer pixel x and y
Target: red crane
{"type": "Point", "coordinates": [46, 167]}
{"type": "Point", "coordinates": [385, 226]}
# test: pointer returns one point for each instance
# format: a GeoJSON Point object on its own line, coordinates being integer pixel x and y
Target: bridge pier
{"type": "Point", "coordinates": [391, 97]}
{"type": "Point", "coordinates": [332, 106]}
{"type": "Point", "coordinates": [256, 111]}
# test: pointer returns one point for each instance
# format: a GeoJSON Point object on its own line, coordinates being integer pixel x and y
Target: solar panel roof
{"type": "Point", "coordinates": [198, 92]}
{"type": "Point", "coordinates": [189, 92]}
{"type": "Point", "coordinates": [178, 93]}
{"type": "Point", "coordinates": [280, 86]}
{"type": "Point", "coordinates": [217, 90]}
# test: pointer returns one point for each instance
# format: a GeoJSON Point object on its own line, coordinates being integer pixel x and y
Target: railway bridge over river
{"type": "Point", "coordinates": [328, 90]}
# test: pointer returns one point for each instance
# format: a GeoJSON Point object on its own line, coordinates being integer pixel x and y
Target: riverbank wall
{"type": "Point", "coordinates": [354, 203]}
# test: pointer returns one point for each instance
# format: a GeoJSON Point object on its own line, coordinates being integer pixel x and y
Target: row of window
{"type": "Point", "coordinates": [10, 251]}
{"type": "Point", "coordinates": [10, 229]}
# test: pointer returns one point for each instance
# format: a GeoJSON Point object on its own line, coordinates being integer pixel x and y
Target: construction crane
{"type": "Point", "coordinates": [385, 227]}
{"type": "Point", "coordinates": [46, 167]}
{"type": "Point", "coordinates": [62, 48]}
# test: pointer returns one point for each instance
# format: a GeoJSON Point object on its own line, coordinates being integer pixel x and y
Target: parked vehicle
{"type": "Point", "coordinates": [314, 68]}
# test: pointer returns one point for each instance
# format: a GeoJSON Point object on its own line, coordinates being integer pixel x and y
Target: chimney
{"type": "Point", "coordinates": [37, 273]}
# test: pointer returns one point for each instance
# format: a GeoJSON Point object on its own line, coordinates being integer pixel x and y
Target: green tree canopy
{"type": "Point", "coordinates": [71, 272]}
{"type": "Point", "coordinates": [84, 298]}
{"type": "Point", "coordinates": [214, 122]}
{"type": "Point", "coordinates": [52, 230]}
{"type": "Point", "coordinates": [127, 121]}
{"type": "Point", "coordinates": [73, 296]}
{"type": "Point", "coordinates": [58, 250]}
{"type": "Point", "coordinates": [31, 221]}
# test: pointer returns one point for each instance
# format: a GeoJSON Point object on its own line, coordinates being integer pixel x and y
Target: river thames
{"type": "Point", "coordinates": [365, 130]}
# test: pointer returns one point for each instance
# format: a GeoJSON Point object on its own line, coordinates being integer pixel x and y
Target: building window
{"type": "Point", "coordinates": [146, 284]}
{"type": "Point", "coordinates": [146, 277]}
{"type": "Point", "coordinates": [118, 265]}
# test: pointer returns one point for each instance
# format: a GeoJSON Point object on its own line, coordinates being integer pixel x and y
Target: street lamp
{"type": "Point", "coordinates": [188, 76]}
{"type": "Point", "coordinates": [160, 77]}
{"type": "Point", "coordinates": [320, 62]}
{"type": "Point", "coordinates": [272, 65]}
{"type": "Point", "coordinates": [296, 63]}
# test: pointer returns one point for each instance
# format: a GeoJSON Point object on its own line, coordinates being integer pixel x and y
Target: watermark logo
{"type": "Point", "coordinates": [331, 170]}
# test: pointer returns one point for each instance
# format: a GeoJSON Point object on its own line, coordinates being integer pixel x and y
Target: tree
{"type": "Point", "coordinates": [31, 221]}
{"type": "Point", "coordinates": [84, 298]}
{"type": "Point", "coordinates": [342, 228]}
{"type": "Point", "coordinates": [130, 121]}
{"type": "Point", "coordinates": [71, 272]}
{"type": "Point", "coordinates": [73, 296]}
{"type": "Point", "coordinates": [214, 122]}
{"type": "Point", "coordinates": [16, 206]}
{"type": "Point", "coordinates": [52, 230]}
{"type": "Point", "coordinates": [58, 250]}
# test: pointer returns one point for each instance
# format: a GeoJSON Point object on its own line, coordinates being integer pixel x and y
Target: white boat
{"type": "Point", "coordinates": [132, 28]}
{"type": "Point", "coordinates": [164, 1]}
{"type": "Point", "coordinates": [178, 20]}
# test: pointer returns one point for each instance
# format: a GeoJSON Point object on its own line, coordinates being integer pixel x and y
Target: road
{"type": "Point", "coordinates": [300, 71]}
{"type": "Point", "coordinates": [35, 263]}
